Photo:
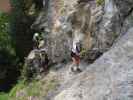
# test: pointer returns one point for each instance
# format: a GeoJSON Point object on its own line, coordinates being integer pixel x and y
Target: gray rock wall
{"type": "Point", "coordinates": [109, 78]}
{"type": "Point", "coordinates": [98, 29]}
{"type": "Point", "coordinates": [115, 22]}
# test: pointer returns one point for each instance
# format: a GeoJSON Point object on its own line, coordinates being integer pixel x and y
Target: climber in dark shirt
{"type": "Point", "coordinates": [36, 40]}
{"type": "Point", "coordinates": [37, 37]}
{"type": "Point", "coordinates": [44, 59]}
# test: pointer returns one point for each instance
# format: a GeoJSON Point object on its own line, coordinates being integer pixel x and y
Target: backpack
{"type": "Point", "coordinates": [78, 47]}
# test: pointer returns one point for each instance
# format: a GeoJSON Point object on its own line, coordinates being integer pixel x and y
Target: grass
{"type": "Point", "coordinates": [12, 94]}
{"type": "Point", "coordinates": [18, 87]}
{"type": "Point", "coordinates": [4, 96]}
{"type": "Point", "coordinates": [36, 88]}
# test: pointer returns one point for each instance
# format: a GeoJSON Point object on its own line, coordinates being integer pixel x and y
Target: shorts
{"type": "Point", "coordinates": [73, 54]}
{"type": "Point", "coordinates": [76, 58]}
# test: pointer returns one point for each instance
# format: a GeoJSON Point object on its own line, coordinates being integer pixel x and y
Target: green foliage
{"type": "Point", "coordinates": [5, 39]}
{"type": "Point", "coordinates": [20, 30]}
{"type": "Point", "coordinates": [28, 73]}
{"type": "Point", "coordinates": [19, 86]}
{"type": "Point", "coordinates": [4, 96]}
{"type": "Point", "coordinates": [15, 41]}
{"type": "Point", "coordinates": [100, 2]}
{"type": "Point", "coordinates": [115, 35]}
{"type": "Point", "coordinates": [83, 52]}
{"type": "Point", "coordinates": [38, 4]}
{"type": "Point", "coordinates": [12, 94]}
{"type": "Point", "coordinates": [35, 88]}
{"type": "Point", "coordinates": [8, 59]}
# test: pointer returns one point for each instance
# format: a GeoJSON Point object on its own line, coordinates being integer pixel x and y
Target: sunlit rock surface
{"type": "Point", "coordinates": [115, 22]}
{"type": "Point", "coordinates": [109, 78]}
{"type": "Point", "coordinates": [65, 23]}
{"type": "Point", "coordinates": [97, 28]}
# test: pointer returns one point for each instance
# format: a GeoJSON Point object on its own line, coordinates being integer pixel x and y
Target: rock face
{"type": "Point", "coordinates": [125, 12]}
{"type": "Point", "coordinates": [66, 22]}
{"type": "Point", "coordinates": [109, 78]}
{"type": "Point", "coordinates": [116, 20]}
{"type": "Point", "coordinates": [97, 28]}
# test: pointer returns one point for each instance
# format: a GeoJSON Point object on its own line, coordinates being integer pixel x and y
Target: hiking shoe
{"type": "Point", "coordinates": [72, 69]}
{"type": "Point", "coordinates": [75, 70]}
{"type": "Point", "coordinates": [79, 70]}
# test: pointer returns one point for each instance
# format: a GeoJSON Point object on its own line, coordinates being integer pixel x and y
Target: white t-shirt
{"type": "Point", "coordinates": [74, 48]}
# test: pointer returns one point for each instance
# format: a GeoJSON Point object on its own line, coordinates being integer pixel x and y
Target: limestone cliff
{"type": "Point", "coordinates": [66, 21]}
{"type": "Point", "coordinates": [108, 78]}
{"type": "Point", "coordinates": [96, 27]}
{"type": "Point", "coordinates": [101, 29]}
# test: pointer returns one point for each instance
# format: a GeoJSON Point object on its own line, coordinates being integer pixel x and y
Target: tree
{"type": "Point", "coordinates": [8, 59]}
{"type": "Point", "coordinates": [21, 32]}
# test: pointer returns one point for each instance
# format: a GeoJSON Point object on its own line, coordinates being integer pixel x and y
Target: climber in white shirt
{"type": "Point", "coordinates": [75, 54]}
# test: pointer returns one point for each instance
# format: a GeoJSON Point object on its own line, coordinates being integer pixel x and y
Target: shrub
{"type": "Point", "coordinates": [36, 88]}
{"type": "Point", "coordinates": [100, 2]}
{"type": "Point", "coordinates": [4, 96]}
{"type": "Point", "coordinates": [5, 40]}
{"type": "Point", "coordinates": [20, 29]}
{"type": "Point", "coordinates": [8, 59]}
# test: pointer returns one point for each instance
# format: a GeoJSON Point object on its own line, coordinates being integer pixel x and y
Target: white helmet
{"type": "Point", "coordinates": [36, 34]}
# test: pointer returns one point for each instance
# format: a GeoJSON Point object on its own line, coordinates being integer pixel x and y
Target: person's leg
{"type": "Point", "coordinates": [46, 66]}
{"type": "Point", "coordinates": [77, 64]}
{"type": "Point", "coordinates": [47, 63]}
{"type": "Point", "coordinates": [73, 67]}
{"type": "Point", "coordinates": [35, 45]}
{"type": "Point", "coordinates": [43, 69]}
